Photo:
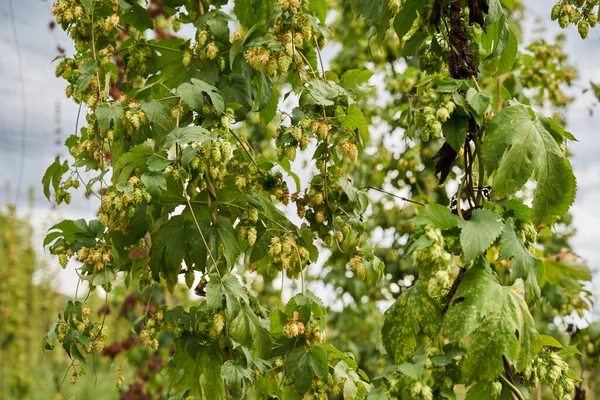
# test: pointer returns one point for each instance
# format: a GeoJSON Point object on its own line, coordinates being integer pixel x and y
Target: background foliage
{"type": "Point", "coordinates": [192, 147]}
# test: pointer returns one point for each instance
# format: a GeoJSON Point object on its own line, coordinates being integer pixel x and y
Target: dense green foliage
{"type": "Point", "coordinates": [201, 150]}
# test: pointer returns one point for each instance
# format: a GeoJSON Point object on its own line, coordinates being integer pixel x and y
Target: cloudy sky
{"type": "Point", "coordinates": [26, 69]}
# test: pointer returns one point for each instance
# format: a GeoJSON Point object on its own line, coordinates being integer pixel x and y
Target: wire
{"type": "Point", "coordinates": [23, 100]}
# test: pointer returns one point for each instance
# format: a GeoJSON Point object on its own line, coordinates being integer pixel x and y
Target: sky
{"type": "Point", "coordinates": [30, 94]}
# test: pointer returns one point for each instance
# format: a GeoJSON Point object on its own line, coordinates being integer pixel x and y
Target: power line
{"type": "Point", "coordinates": [23, 100]}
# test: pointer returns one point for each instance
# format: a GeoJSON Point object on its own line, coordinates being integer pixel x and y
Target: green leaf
{"type": "Point", "coordinates": [566, 272]}
{"type": "Point", "coordinates": [529, 148]}
{"type": "Point", "coordinates": [481, 391]}
{"type": "Point", "coordinates": [87, 4]}
{"type": "Point", "coordinates": [354, 195]}
{"type": "Point", "coordinates": [107, 113]}
{"type": "Point", "coordinates": [440, 216]}
{"type": "Point", "coordinates": [302, 363]}
{"type": "Point", "coordinates": [353, 120]}
{"type": "Point", "coordinates": [413, 313]}
{"type": "Point", "coordinates": [370, 9]}
{"type": "Point", "coordinates": [321, 92]}
{"type": "Point", "coordinates": [54, 175]}
{"type": "Point", "coordinates": [413, 370]}
{"type": "Point", "coordinates": [87, 72]}
{"type": "Point", "coordinates": [509, 53]}
{"type": "Point", "coordinates": [237, 378]}
{"type": "Point", "coordinates": [191, 93]}
{"type": "Point", "coordinates": [187, 135]}
{"type": "Point", "coordinates": [407, 15]}
{"type": "Point", "coordinates": [168, 245]}
{"type": "Point", "coordinates": [228, 287]}
{"type": "Point", "coordinates": [556, 130]}
{"type": "Point", "coordinates": [77, 231]}
{"type": "Point", "coordinates": [133, 159]}
{"type": "Point", "coordinates": [549, 341]}
{"type": "Point", "coordinates": [495, 12]}
{"type": "Point", "coordinates": [479, 233]}
{"type": "Point", "coordinates": [236, 88]}
{"type": "Point", "coordinates": [194, 363]}
{"type": "Point", "coordinates": [252, 12]}
{"type": "Point", "coordinates": [157, 114]}
{"type": "Point", "coordinates": [518, 209]}
{"type": "Point", "coordinates": [490, 321]}
{"type": "Point", "coordinates": [155, 182]}
{"type": "Point", "coordinates": [355, 77]}
{"type": "Point", "coordinates": [268, 112]}
{"type": "Point", "coordinates": [157, 163]}
{"type": "Point", "coordinates": [455, 131]}
{"type": "Point", "coordinates": [318, 8]}
{"type": "Point", "coordinates": [138, 17]}
{"type": "Point", "coordinates": [248, 330]}
{"type": "Point", "coordinates": [478, 103]}
{"type": "Point", "coordinates": [223, 233]}
{"type": "Point", "coordinates": [523, 264]}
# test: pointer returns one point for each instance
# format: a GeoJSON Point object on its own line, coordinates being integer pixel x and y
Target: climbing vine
{"type": "Point", "coordinates": [226, 154]}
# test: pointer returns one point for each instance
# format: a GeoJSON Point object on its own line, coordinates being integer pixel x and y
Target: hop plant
{"type": "Point", "coordinates": [74, 377]}
{"type": "Point", "coordinates": [357, 265]}
{"type": "Point", "coordinates": [217, 325]}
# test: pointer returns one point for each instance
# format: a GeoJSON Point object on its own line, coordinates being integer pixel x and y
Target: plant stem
{"type": "Point", "coordinates": [512, 387]}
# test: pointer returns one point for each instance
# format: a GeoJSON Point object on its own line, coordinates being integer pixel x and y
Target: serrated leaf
{"type": "Point", "coordinates": [194, 363]}
{"type": "Point", "coordinates": [414, 312]}
{"type": "Point", "coordinates": [247, 329]}
{"type": "Point", "coordinates": [354, 195]}
{"type": "Point", "coordinates": [252, 12]}
{"type": "Point", "coordinates": [490, 321]}
{"type": "Point", "coordinates": [413, 370]}
{"type": "Point", "coordinates": [519, 210]}
{"type": "Point", "coordinates": [107, 113]}
{"type": "Point", "coordinates": [227, 287]}
{"type": "Point", "coordinates": [236, 88]}
{"type": "Point", "coordinates": [187, 135]}
{"type": "Point", "coordinates": [354, 119]}
{"type": "Point", "coordinates": [138, 17]}
{"type": "Point", "coordinates": [478, 103]}
{"type": "Point", "coordinates": [132, 160]}
{"type": "Point", "coordinates": [479, 233]}
{"type": "Point", "coordinates": [53, 176]}
{"type": "Point", "coordinates": [523, 264]}
{"type": "Point", "coordinates": [481, 391]}
{"type": "Point", "coordinates": [87, 72]}
{"type": "Point", "coordinates": [549, 341]}
{"type": "Point", "coordinates": [302, 363]}
{"type": "Point", "coordinates": [191, 93]}
{"type": "Point", "coordinates": [407, 15]}
{"type": "Point", "coordinates": [370, 9]}
{"type": "Point", "coordinates": [237, 378]}
{"type": "Point", "coordinates": [529, 148]}
{"type": "Point", "coordinates": [495, 12]}
{"type": "Point", "coordinates": [509, 53]}
{"type": "Point", "coordinates": [355, 77]}
{"type": "Point", "coordinates": [87, 4]}
{"type": "Point", "coordinates": [321, 92]}
{"type": "Point", "coordinates": [168, 245]}
{"type": "Point", "coordinates": [157, 163]}
{"type": "Point", "coordinates": [440, 216]}
{"type": "Point", "coordinates": [318, 8]}
{"type": "Point", "coordinates": [157, 114]}
{"type": "Point", "coordinates": [155, 182]}
{"type": "Point", "coordinates": [455, 131]}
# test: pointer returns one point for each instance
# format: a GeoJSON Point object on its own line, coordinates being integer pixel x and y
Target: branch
{"type": "Point", "coordinates": [393, 195]}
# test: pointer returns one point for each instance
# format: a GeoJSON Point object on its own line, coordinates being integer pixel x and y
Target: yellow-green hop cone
{"type": "Point", "coordinates": [583, 28]}
{"type": "Point", "coordinates": [555, 12]}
